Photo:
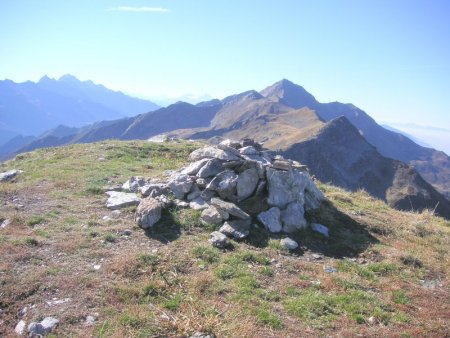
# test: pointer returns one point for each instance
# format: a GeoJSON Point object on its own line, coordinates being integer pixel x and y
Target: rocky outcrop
{"type": "Point", "coordinates": [233, 184]}
{"type": "Point", "coordinates": [9, 175]}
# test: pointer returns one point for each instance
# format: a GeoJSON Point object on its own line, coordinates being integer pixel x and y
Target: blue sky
{"type": "Point", "coordinates": [390, 58]}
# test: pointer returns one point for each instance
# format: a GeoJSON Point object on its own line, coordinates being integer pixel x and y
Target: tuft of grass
{"type": "Point", "coordinates": [266, 271]}
{"type": "Point", "coordinates": [35, 220]}
{"type": "Point", "coordinates": [206, 253]}
{"type": "Point", "coordinates": [31, 241]}
{"type": "Point", "coordinates": [399, 297]}
{"type": "Point", "coordinates": [411, 261]}
{"type": "Point", "coordinates": [110, 238]}
{"type": "Point", "coordinates": [173, 303]}
{"type": "Point", "coordinates": [269, 318]}
{"type": "Point", "coordinates": [147, 259]}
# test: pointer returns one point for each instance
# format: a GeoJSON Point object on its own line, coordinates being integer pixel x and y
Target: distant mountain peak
{"type": "Point", "coordinates": [250, 94]}
{"type": "Point", "coordinates": [69, 78]}
{"type": "Point", "coordinates": [289, 93]}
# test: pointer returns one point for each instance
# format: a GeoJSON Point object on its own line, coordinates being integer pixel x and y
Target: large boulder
{"type": "Point", "coordinates": [153, 189]}
{"type": "Point", "coordinates": [212, 152]}
{"type": "Point", "coordinates": [286, 187]}
{"type": "Point", "coordinates": [225, 185]}
{"type": "Point", "coordinates": [229, 208]}
{"type": "Point", "coordinates": [9, 175]}
{"type": "Point", "coordinates": [180, 185]}
{"type": "Point", "coordinates": [211, 168]}
{"type": "Point", "coordinates": [148, 212]}
{"type": "Point", "coordinates": [246, 183]}
{"type": "Point", "coordinates": [313, 196]}
{"type": "Point", "coordinates": [194, 167]}
{"type": "Point", "coordinates": [271, 219]}
{"type": "Point", "coordinates": [118, 200]}
{"type": "Point", "coordinates": [293, 217]}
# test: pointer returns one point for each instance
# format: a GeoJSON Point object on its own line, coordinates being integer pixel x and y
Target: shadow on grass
{"type": "Point", "coordinates": [167, 230]}
{"type": "Point", "coordinates": [348, 238]}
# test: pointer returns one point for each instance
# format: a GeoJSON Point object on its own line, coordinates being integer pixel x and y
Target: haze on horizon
{"type": "Point", "coordinates": [388, 58]}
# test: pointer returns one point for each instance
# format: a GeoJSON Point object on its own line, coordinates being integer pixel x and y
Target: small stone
{"type": "Point", "coordinates": [106, 218]}
{"type": "Point", "coordinates": [248, 151]}
{"type": "Point", "coordinates": [372, 320]}
{"type": "Point", "coordinates": [211, 216]}
{"type": "Point", "coordinates": [202, 335]}
{"type": "Point", "coordinates": [281, 165]}
{"type": "Point", "coordinates": [97, 267]}
{"type": "Point", "coordinates": [271, 219]}
{"type": "Point", "coordinates": [288, 243]}
{"type": "Point", "coordinates": [218, 239]}
{"type": "Point", "coordinates": [198, 204]}
{"type": "Point", "coordinates": [329, 269]}
{"type": "Point", "coordinates": [43, 328]}
{"type": "Point", "coordinates": [57, 301]}
{"type": "Point", "coordinates": [321, 229]}
{"type": "Point", "coordinates": [134, 183]}
{"type": "Point", "coordinates": [316, 257]}
{"type": "Point", "coordinates": [90, 320]}
{"type": "Point", "coordinates": [231, 143]}
{"type": "Point", "coordinates": [181, 204]}
{"type": "Point", "coordinates": [202, 182]}
{"type": "Point", "coordinates": [212, 152]}
{"type": "Point", "coordinates": [116, 213]}
{"type": "Point", "coordinates": [20, 327]}
{"type": "Point", "coordinates": [127, 232]}
{"type": "Point", "coordinates": [5, 223]}
{"type": "Point", "coordinates": [238, 229]}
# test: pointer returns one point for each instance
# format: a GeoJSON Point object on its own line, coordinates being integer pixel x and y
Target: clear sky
{"type": "Point", "coordinates": [390, 58]}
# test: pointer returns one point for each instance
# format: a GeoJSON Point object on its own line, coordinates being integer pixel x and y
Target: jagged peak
{"type": "Point", "coordinates": [289, 93]}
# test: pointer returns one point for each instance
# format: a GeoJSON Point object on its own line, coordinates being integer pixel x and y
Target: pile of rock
{"type": "Point", "coordinates": [233, 183]}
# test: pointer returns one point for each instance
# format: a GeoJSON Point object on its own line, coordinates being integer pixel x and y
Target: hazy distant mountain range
{"type": "Point", "coordinates": [339, 142]}
{"type": "Point", "coordinates": [32, 108]}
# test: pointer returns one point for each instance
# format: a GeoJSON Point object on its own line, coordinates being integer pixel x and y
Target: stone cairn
{"type": "Point", "coordinates": [233, 184]}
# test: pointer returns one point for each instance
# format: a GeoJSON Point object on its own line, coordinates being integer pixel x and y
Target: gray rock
{"type": "Point", "coordinates": [211, 168]}
{"type": "Point", "coordinates": [181, 204]}
{"type": "Point", "coordinates": [193, 193]}
{"type": "Point", "coordinates": [232, 165]}
{"type": "Point", "coordinates": [225, 184]}
{"type": "Point", "coordinates": [207, 194]}
{"type": "Point", "coordinates": [313, 196]}
{"type": "Point", "coordinates": [321, 229]}
{"type": "Point", "coordinates": [230, 208]}
{"type": "Point", "coordinates": [126, 232]}
{"type": "Point", "coordinates": [202, 182]}
{"type": "Point", "coordinates": [194, 167]}
{"type": "Point", "coordinates": [212, 152]}
{"type": "Point", "coordinates": [148, 213]}
{"type": "Point", "coordinates": [9, 175]}
{"type": "Point", "coordinates": [134, 183]}
{"type": "Point", "coordinates": [219, 240]}
{"type": "Point", "coordinates": [257, 158]}
{"type": "Point", "coordinates": [285, 187]}
{"type": "Point", "coordinates": [238, 229]}
{"type": "Point", "coordinates": [248, 142]}
{"type": "Point", "coordinates": [246, 183]}
{"type": "Point", "coordinates": [4, 223]}
{"type": "Point", "coordinates": [153, 189]}
{"type": "Point", "coordinates": [281, 165]}
{"type": "Point", "coordinates": [118, 200]}
{"type": "Point", "coordinates": [198, 204]}
{"type": "Point", "coordinates": [43, 328]}
{"type": "Point", "coordinates": [271, 219]}
{"type": "Point", "coordinates": [293, 217]}
{"type": "Point", "coordinates": [231, 143]}
{"type": "Point", "coordinates": [180, 185]}
{"type": "Point", "coordinates": [288, 243]}
{"type": "Point", "coordinates": [90, 320]}
{"type": "Point", "coordinates": [230, 150]}
{"type": "Point", "coordinates": [202, 335]}
{"type": "Point", "coordinates": [20, 327]}
{"type": "Point", "coordinates": [166, 202]}
{"type": "Point", "coordinates": [329, 269]}
{"type": "Point", "coordinates": [249, 150]}
{"type": "Point", "coordinates": [211, 216]}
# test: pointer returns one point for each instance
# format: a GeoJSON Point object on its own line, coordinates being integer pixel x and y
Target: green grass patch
{"type": "Point", "coordinates": [207, 254]}
{"type": "Point", "coordinates": [269, 318]}
{"type": "Point", "coordinates": [35, 220]}
{"type": "Point", "coordinates": [399, 297]}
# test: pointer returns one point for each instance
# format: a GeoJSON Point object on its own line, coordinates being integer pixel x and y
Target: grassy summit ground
{"type": "Point", "coordinates": [381, 273]}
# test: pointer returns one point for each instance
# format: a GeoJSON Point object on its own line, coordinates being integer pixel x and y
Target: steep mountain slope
{"type": "Point", "coordinates": [433, 165]}
{"type": "Point", "coordinates": [339, 154]}
{"type": "Point", "coordinates": [31, 108]}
